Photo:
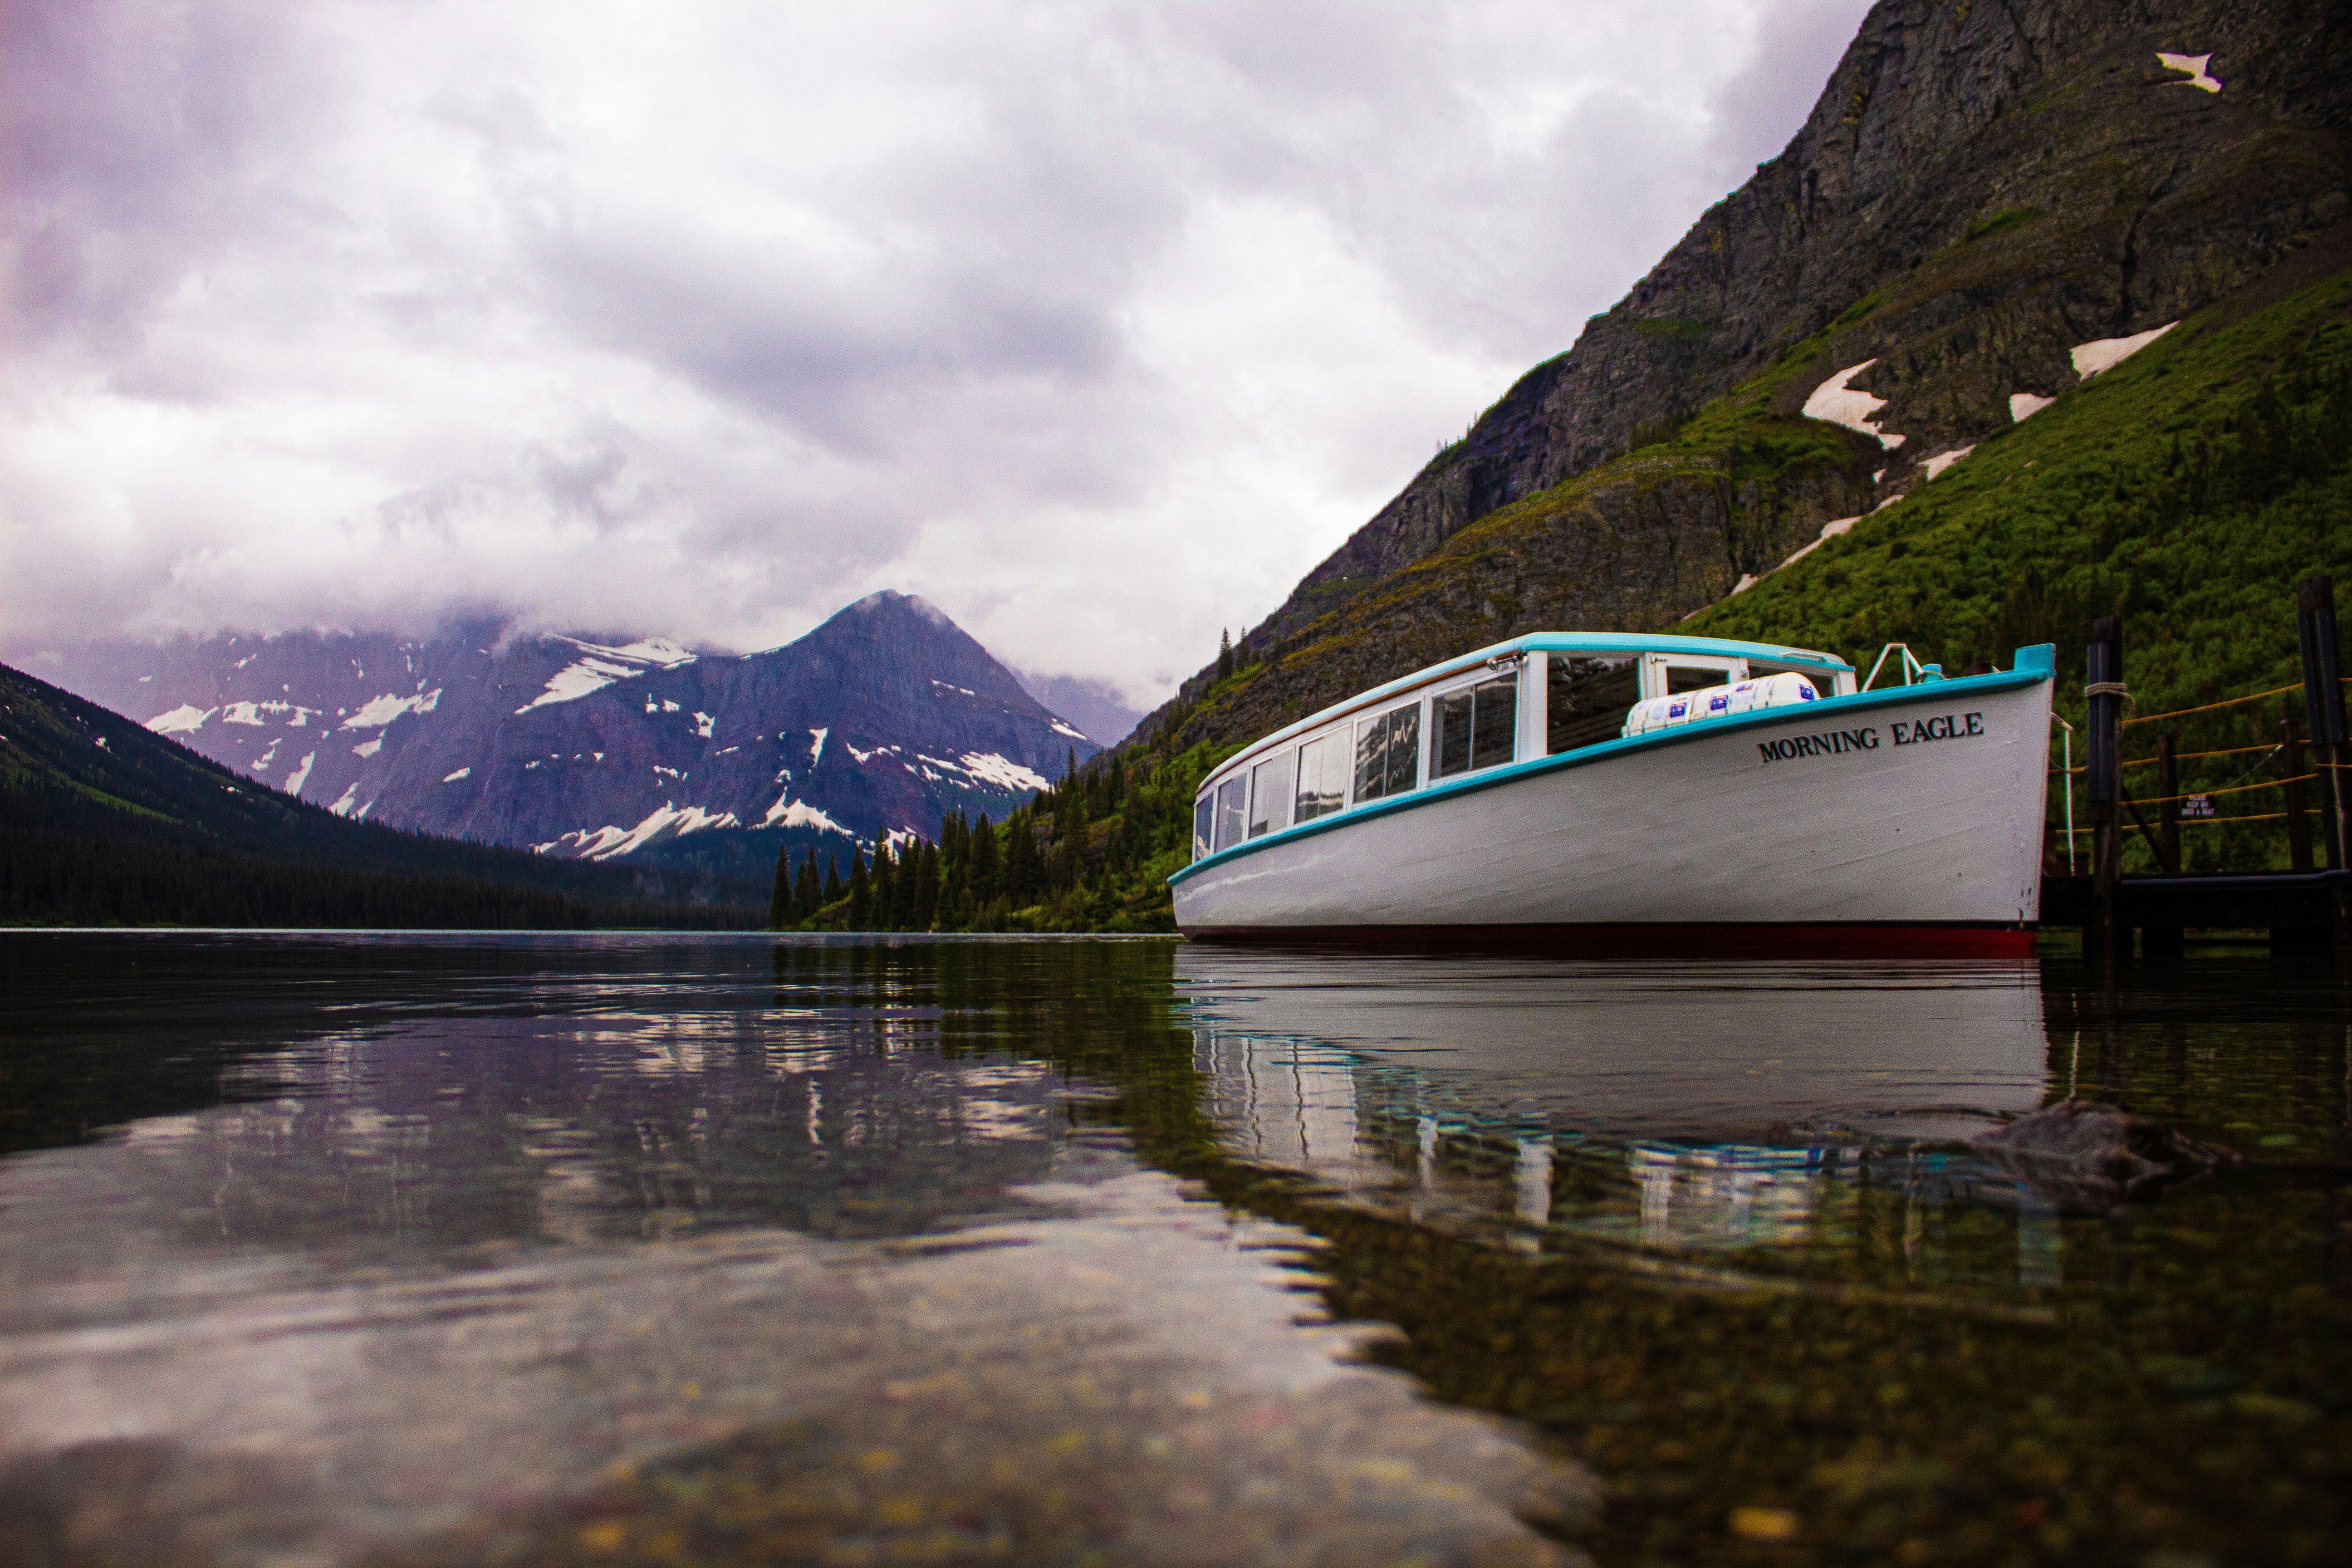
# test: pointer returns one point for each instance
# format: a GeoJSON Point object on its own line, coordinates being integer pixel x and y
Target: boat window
{"type": "Point", "coordinates": [1671, 674]}
{"type": "Point", "coordinates": [1270, 786]}
{"type": "Point", "coordinates": [1229, 796]}
{"type": "Point", "coordinates": [1388, 753]}
{"type": "Point", "coordinates": [1587, 698]}
{"type": "Point", "coordinates": [1477, 727]}
{"type": "Point", "coordinates": [1322, 778]}
{"type": "Point", "coordinates": [1404, 748]}
{"type": "Point", "coordinates": [1203, 813]}
{"type": "Point", "coordinates": [1495, 732]}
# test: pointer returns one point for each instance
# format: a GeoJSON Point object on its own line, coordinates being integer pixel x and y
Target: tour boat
{"type": "Point", "coordinates": [1641, 794]}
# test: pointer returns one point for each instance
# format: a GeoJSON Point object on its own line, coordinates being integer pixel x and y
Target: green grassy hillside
{"type": "Point", "coordinates": [2186, 489]}
{"type": "Point", "coordinates": [102, 823]}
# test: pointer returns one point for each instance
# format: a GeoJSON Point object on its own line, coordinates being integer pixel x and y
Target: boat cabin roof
{"type": "Point", "coordinates": [1594, 643]}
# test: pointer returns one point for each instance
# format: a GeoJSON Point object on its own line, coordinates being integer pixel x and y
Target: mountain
{"type": "Point", "coordinates": [1092, 704]}
{"type": "Point", "coordinates": [878, 721]}
{"type": "Point", "coordinates": [2045, 314]}
{"type": "Point", "coordinates": [102, 821]}
{"type": "Point", "coordinates": [1990, 210]}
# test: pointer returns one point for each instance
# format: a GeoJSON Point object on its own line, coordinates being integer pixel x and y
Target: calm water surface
{"type": "Point", "coordinates": [427, 1250]}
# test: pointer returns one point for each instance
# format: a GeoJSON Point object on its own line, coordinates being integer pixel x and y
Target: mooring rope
{"type": "Point", "coordinates": [2201, 821]}
{"type": "Point", "coordinates": [2232, 789]}
{"type": "Point", "coordinates": [2176, 712]}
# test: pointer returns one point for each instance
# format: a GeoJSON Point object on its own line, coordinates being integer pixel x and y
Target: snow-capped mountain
{"type": "Point", "coordinates": [876, 722]}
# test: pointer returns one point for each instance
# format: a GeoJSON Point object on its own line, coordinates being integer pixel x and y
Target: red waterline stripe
{"type": "Point", "coordinates": [1915, 941]}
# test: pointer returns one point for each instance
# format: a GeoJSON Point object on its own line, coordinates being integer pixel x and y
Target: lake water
{"type": "Point", "coordinates": [640, 1249]}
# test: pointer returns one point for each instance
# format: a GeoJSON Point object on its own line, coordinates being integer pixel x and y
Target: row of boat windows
{"type": "Point", "coordinates": [1472, 727]}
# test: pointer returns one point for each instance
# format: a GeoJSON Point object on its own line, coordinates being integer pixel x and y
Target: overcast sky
{"type": "Point", "coordinates": [1098, 325]}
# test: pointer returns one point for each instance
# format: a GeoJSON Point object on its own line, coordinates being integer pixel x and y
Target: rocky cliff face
{"type": "Point", "coordinates": [879, 720]}
{"type": "Point", "coordinates": [1982, 193]}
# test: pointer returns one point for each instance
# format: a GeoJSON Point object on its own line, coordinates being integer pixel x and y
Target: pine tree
{"type": "Point", "coordinates": [987, 875]}
{"type": "Point", "coordinates": [955, 861]}
{"type": "Point", "coordinates": [1224, 655]}
{"type": "Point", "coordinates": [1024, 869]}
{"type": "Point", "coordinates": [927, 888]}
{"type": "Point", "coordinates": [902, 887]}
{"type": "Point", "coordinates": [886, 900]}
{"type": "Point", "coordinates": [861, 891]}
{"type": "Point", "coordinates": [780, 902]}
{"type": "Point", "coordinates": [832, 887]}
{"type": "Point", "coordinates": [807, 895]}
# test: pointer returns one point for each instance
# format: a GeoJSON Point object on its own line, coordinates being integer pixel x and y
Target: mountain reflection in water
{"type": "Point", "coordinates": [441, 1249]}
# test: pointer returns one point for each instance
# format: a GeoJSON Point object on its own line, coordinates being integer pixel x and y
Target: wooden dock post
{"type": "Point", "coordinates": [2105, 939]}
{"type": "Point", "coordinates": [2160, 943]}
{"type": "Point", "coordinates": [2298, 796]}
{"type": "Point", "coordinates": [2323, 705]}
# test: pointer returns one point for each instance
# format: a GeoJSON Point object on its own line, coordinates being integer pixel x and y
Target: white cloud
{"type": "Point", "coordinates": [1096, 325]}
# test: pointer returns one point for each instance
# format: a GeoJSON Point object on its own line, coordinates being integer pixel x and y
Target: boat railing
{"type": "Point", "coordinates": [1909, 669]}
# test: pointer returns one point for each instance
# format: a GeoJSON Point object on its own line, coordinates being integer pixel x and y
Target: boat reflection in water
{"type": "Point", "coordinates": [1653, 1106]}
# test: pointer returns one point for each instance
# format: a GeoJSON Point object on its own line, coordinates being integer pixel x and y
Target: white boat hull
{"type": "Point", "coordinates": [1720, 825]}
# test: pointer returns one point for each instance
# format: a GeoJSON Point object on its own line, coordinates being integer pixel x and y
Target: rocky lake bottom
{"type": "Point", "coordinates": [438, 1249]}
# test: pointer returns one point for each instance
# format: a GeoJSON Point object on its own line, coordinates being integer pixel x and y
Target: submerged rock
{"type": "Point", "coordinates": [2089, 1156]}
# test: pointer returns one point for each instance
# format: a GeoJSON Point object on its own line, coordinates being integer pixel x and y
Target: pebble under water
{"type": "Point", "coordinates": [432, 1249]}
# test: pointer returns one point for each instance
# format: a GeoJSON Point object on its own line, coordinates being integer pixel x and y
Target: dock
{"type": "Point", "coordinates": [2304, 908]}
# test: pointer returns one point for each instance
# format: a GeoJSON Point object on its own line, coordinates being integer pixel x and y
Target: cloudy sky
{"type": "Point", "coordinates": [1096, 324]}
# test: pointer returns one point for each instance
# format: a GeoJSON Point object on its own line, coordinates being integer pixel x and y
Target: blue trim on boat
{"type": "Point", "coordinates": [2034, 665]}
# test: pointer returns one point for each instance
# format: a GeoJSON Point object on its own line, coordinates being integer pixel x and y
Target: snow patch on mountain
{"type": "Point", "coordinates": [1850, 406]}
{"type": "Point", "coordinates": [817, 751]}
{"type": "Point", "coordinates": [300, 775]}
{"type": "Point", "coordinates": [1061, 728]}
{"type": "Point", "coordinates": [452, 778]}
{"type": "Point", "coordinates": [584, 678]}
{"type": "Point", "coordinates": [342, 807]}
{"type": "Point", "coordinates": [184, 720]}
{"type": "Point", "coordinates": [2106, 353]}
{"type": "Point", "coordinates": [790, 813]}
{"type": "Point", "coordinates": [1942, 460]}
{"type": "Point", "coordinates": [259, 715]}
{"type": "Point", "coordinates": [582, 844]}
{"type": "Point", "coordinates": [668, 820]}
{"type": "Point", "coordinates": [2024, 405]}
{"type": "Point", "coordinates": [1830, 530]}
{"type": "Point", "coordinates": [1002, 772]}
{"type": "Point", "coordinates": [604, 664]}
{"type": "Point", "coordinates": [2194, 65]}
{"type": "Point", "coordinates": [659, 652]}
{"type": "Point", "coordinates": [378, 712]}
